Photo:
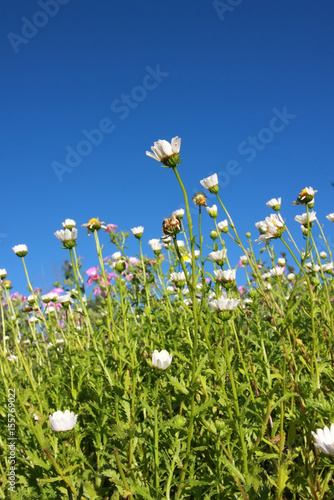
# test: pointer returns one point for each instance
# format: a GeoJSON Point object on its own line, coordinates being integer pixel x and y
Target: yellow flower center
{"type": "Point", "coordinates": [92, 221]}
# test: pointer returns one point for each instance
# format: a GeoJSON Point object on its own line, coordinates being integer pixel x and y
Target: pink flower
{"type": "Point", "coordinates": [93, 273]}
{"type": "Point", "coordinates": [110, 228]}
{"type": "Point", "coordinates": [58, 291]}
{"type": "Point", "coordinates": [242, 290]}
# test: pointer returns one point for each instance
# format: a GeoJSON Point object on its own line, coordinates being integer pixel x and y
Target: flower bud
{"type": "Point", "coordinates": [214, 235]}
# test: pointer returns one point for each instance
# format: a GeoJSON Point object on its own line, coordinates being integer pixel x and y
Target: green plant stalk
{"type": "Point", "coordinates": [177, 446]}
{"type": "Point", "coordinates": [201, 250]}
{"type": "Point", "coordinates": [242, 360]}
{"type": "Point", "coordinates": [121, 471]}
{"type": "Point", "coordinates": [314, 364]}
{"type": "Point", "coordinates": [195, 338]}
{"type": "Point", "coordinates": [156, 439]}
{"type": "Point", "coordinates": [253, 265]}
{"type": "Point", "coordinates": [325, 285]}
{"type": "Point", "coordinates": [60, 472]}
{"type": "Point", "coordinates": [144, 274]}
{"type": "Point", "coordinates": [105, 279]}
{"type": "Point", "coordinates": [30, 288]}
{"type": "Point", "coordinates": [281, 467]}
{"type": "Point", "coordinates": [324, 239]}
{"type": "Point", "coordinates": [19, 353]}
{"type": "Point", "coordinates": [236, 404]}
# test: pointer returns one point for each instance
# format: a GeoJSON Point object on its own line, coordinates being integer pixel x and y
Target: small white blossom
{"type": "Point", "coordinates": [179, 213]}
{"type": "Point", "coordinates": [225, 276]}
{"type": "Point", "coordinates": [137, 231]}
{"type": "Point", "coordinates": [116, 255]}
{"type": "Point", "coordinates": [62, 422]}
{"type": "Point", "coordinates": [166, 152]}
{"type": "Point", "coordinates": [20, 250]}
{"type": "Point", "coordinates": [274, 227]}
{"type": "Point", "coordinates": [161, 360]}
{"type": "Point", "coordinates": [302, 219]}
{"type": "Point", "coordinates": [218, 256]}
{"type": "Point", "coordinates": [3, 274]}
{"type": "Point", "coordinates": [325, 440]}
{"type": "Point", "coordinates": [330, 217]}
{"type": "Point", "coordinates": [328, 267]}
{"type": "Point", "coordinates": [176, 277]}
{"type": "Point", "coordinates": [274, 203]}
{"type": "Point", "coordinates": [224, 304]}
{"type": "Point", "coordinates": [67, 237]}
{"type": "Point", "coordinates": [68, 224]}
{"type": "Point", "coordinates": [277, 271]}
{"type": "Point", "coordinates": [223, 226]}
{"type": "Point", "coordinates": [156, 245]}
{"type": "Point", "coordinates": [261, 226]}
{"type": "Point", "coordinates": [210, 183]}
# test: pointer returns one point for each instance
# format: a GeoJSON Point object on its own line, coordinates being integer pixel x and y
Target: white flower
{"type": "Point", "coordinates": [116, 255]}
{"type": "Point", "coordinates": [323, 255]}
{"type": "Point", "coordinates": [11, 357]}
{"type": "Point", "coordinates": [62, 422]}
{"type": "Point", "coordinates": [212, 211]}
{"type": "Point", "coordinates": [274, 227]}
{"type": "Point", "coordinates": [328, 267]}
{"type": "Point", "coordinates": [274, 203]}
{"type": "Point", "coordinates": [266, 276]}
{"type": "Point", "coordinates": [305, 196]}
{"type": "Point", "coordinates": [68, 237]}
{"type": "Point", "coordinates": [225, 276]}
{"type": "Point", "coordinates": [3, 274]}
{"type": "Point", "coordinates": [65, 300]}
{"type": "Point", "coordinates": [20, 250]}
{"type": "Point", "coordinates": [179, 213]}
{"type": "Point", "coordinates": [48, 297]}
{"type": "Point", "coordinates": [218, 256]}
{"type": "Point", "coordinates": [302, 219]}
{"type": "Point", "coordinates": [137, 231]}
{"type": "Point", "coordinates": [223, 226]}
{"type": "Point", "coordinates": [291, 276]}
{"type": "Point", "coordinates": [330, 217]}
{"type": "Point", "coordinates": [161, 360]}
{"type": "Point", "coordinates": [244, 259]}
{"type": "Point", "coordinates": [156, 245]}
{"type": "Point", "coordinates": [50, 309]}
{"type": "Point", "coordinates": [261, 226]}
{"type": "Point", "coordinates": [69, 224]}
{"type": "Point", "coordinates": [175, 277]}
{"type": "Point", "coordinates": [277, 271]}
{"type": "Point", "coordinates": [211, 183]}
{"type": "Point", "coordinates": [223, 304]}
{"type": "Point", "coordinates": [281, 261]}
{"type": "Point", "coordinates": [325, 440]}
{"type": "Point", "coordinates": [165, 152]}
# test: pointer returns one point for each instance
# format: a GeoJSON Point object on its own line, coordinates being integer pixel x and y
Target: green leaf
{"type": "Point", "coordinates": [174, 381]}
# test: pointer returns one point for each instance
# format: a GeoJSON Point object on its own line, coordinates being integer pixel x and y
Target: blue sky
{"type": "Point", "coordinates": [247, 85]}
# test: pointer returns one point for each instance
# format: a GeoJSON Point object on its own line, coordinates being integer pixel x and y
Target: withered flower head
{"type": "Point", "coordinates": [171, 226]}
{"type": "Point", "coordinates": [200, 199]}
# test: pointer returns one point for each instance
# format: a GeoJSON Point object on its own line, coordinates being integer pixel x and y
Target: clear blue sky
{"type": "Point", "coordinates": [219, 75]}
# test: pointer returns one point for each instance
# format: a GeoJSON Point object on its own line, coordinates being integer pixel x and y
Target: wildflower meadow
{"type": "Point", "coordinates": [163, 376]}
